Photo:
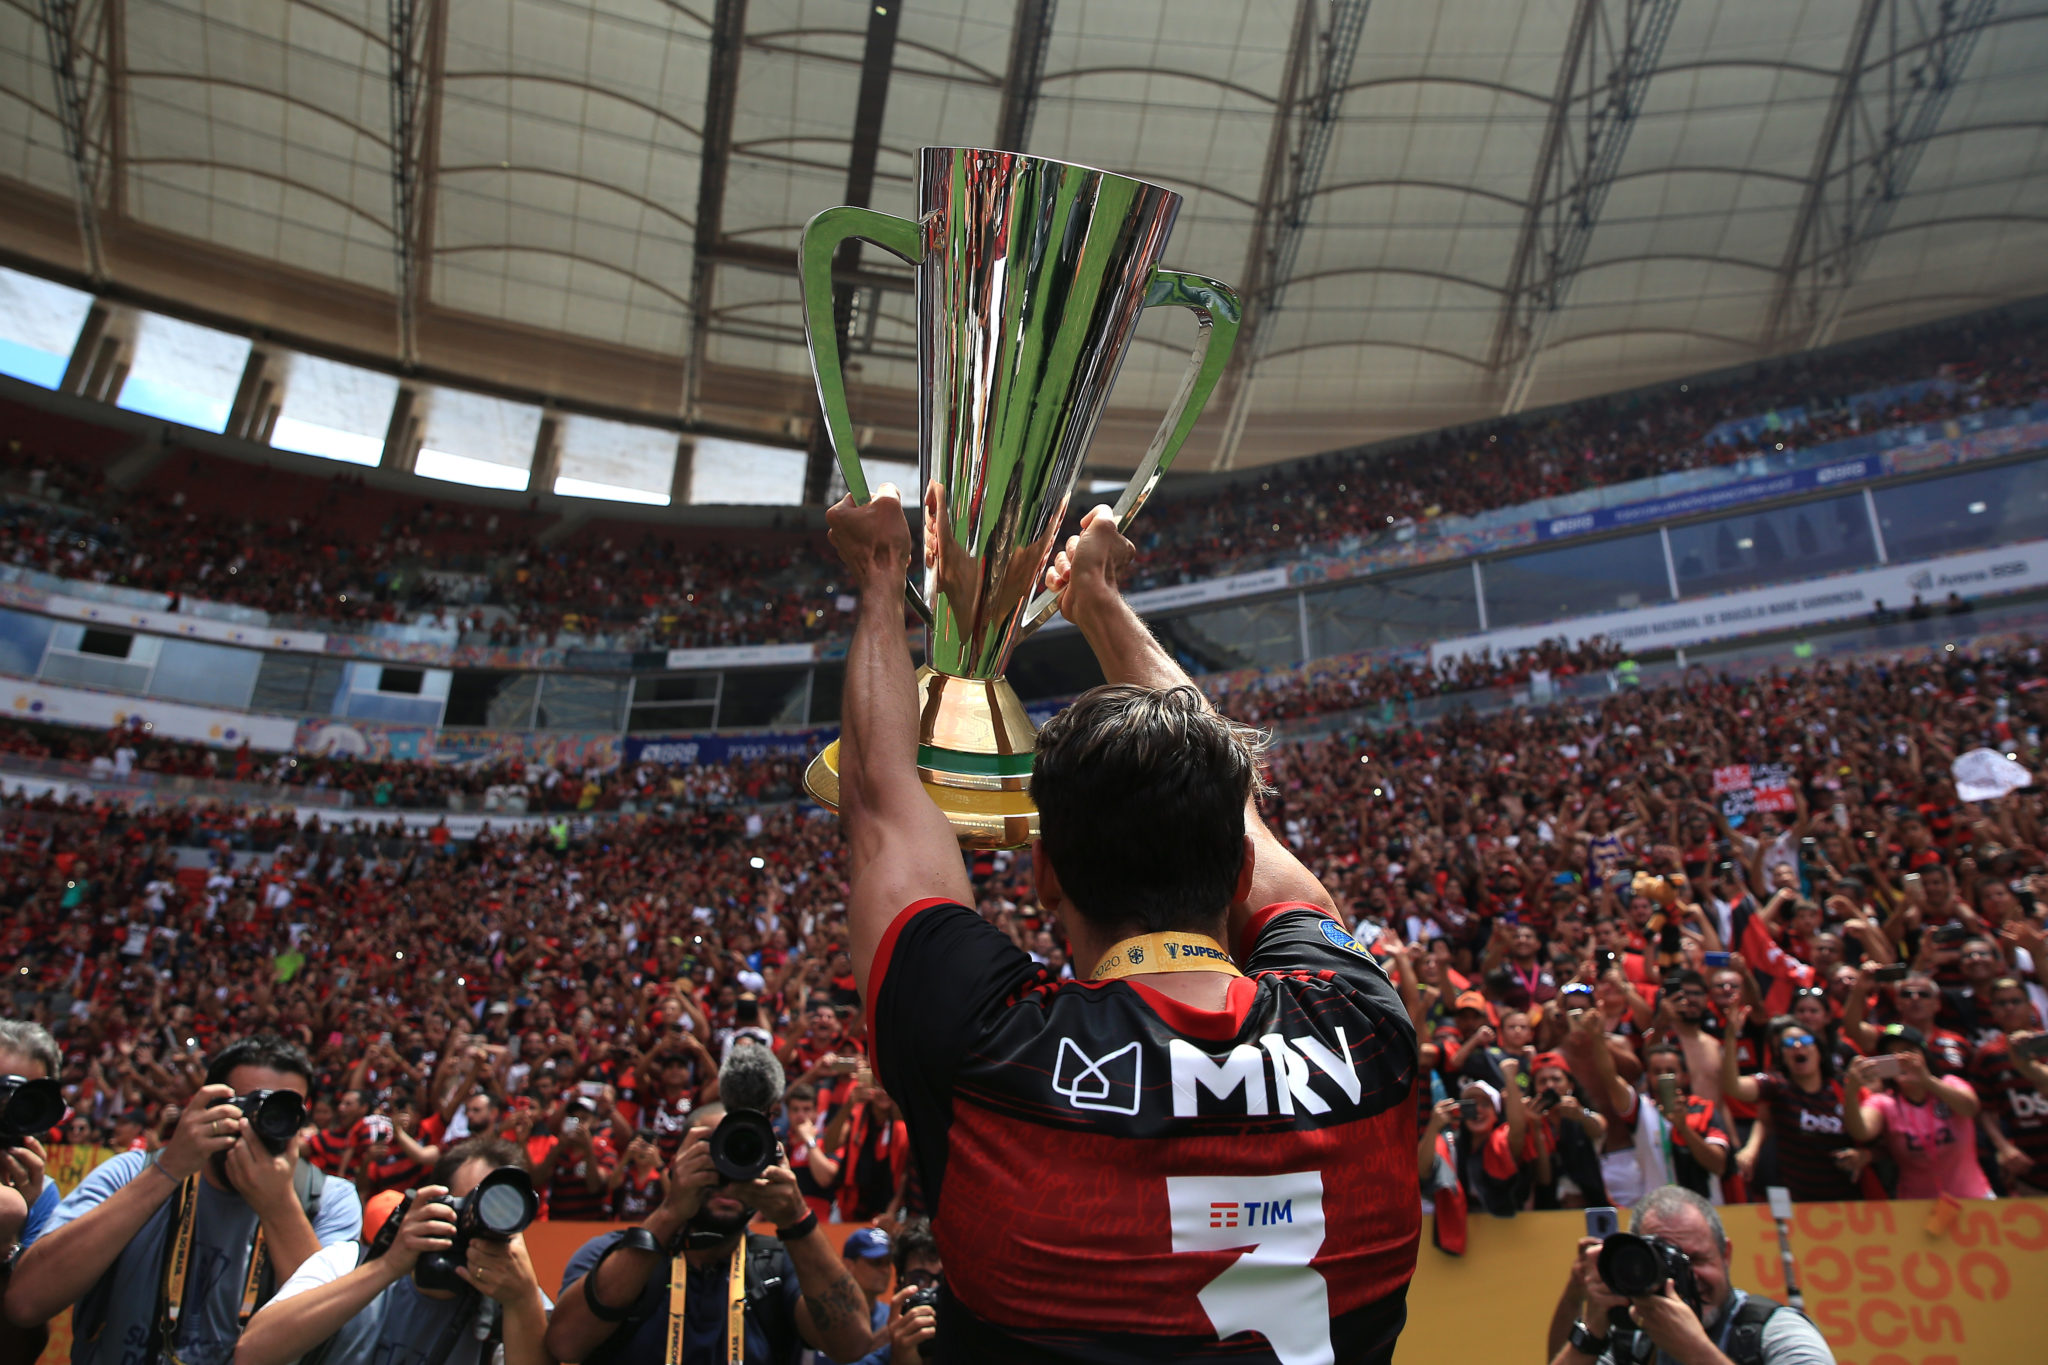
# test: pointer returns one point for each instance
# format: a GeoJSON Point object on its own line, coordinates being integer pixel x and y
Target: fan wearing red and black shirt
{"type": "Point", "coordinates": [1204, 1145]}
{"type": "Point", "coordinates": [336, 1150]}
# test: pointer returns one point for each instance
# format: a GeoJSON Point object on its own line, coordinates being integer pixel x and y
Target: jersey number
{"type": "Point", "coordinates": [1277, 1220]}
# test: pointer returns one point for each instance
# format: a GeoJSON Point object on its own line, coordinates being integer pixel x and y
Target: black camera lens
{"type": "Point", "coordinates": [1634, 1266]}
{"type": "Point", "coordinates": [496, 1210]}
{"type": "Point", "coordinates": [503, 1207]}
{"type": "Point", "coordinates": [275, 1116]}
{"type": "Point", "coordinates": [1630, 1265]}
{"type": "Point", "coordinates": [27, 1108]}
{"type": "Point", "coordinates": [742, 1145]}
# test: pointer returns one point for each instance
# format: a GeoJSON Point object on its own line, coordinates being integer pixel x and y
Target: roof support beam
{"type": "Point", "coordinates": [1611, 51]}
{"type": "Point", "coordinates": [877, 62]}
{"type": "Point", "coordinates": [721, 95]}
{"type": "Point", "coordinates": [417, 35]}
{"type": "Point", "coordinates": [1886, 107]}
{"type": "Point", "coordinates": [80, 34]}
{"type": "Point", "coordinates": [1029, 39]}
{"type": "Point", "coordinates": [1319, 62]}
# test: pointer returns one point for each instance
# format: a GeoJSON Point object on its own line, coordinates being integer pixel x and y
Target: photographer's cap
{"type": "Point", "coordinates": [866, 1244]}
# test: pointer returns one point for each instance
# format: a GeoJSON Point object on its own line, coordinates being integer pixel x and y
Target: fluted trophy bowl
{"type": "Point", "coordinates": [1031, 274]}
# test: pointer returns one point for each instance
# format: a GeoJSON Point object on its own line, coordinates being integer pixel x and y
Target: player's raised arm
{"type": "Point", "coordinates": [902, 849]}
{"type": "Point", "coordinates": [1086, 575]}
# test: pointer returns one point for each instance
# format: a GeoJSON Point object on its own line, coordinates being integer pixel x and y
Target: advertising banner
{"type": "Point", "coordinates": [685, 749]}
{"type": "Point", "coordinates": [363, 739]}
{"type": "Point", "coordinates": [1670, 625]}
{"type": "Point", "coordinates": [166, 719]}
{"type": "Point", "coordinates": [1701, 500]}
{"type": "Point", "coordinates": [742, 656]}
{"type": "Point", "coordinates": [565, 750]}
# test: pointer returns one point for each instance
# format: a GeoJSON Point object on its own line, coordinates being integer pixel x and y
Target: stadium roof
{"type": "Point", "coordinates": [1438, 209]}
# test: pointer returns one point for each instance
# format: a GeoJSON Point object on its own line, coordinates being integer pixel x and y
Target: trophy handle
{"type": "Point", "coordinates": [821, 240]}
{"type": "Point", "coordinates": [1217, 314]}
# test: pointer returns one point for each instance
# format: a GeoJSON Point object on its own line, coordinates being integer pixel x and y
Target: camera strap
{"type": "Point", "coordinates": [1168, 952]}
{"type": "Point", "coordinates": [259, 1261]}
{"type": "Point", "coordinates": [177, 1265]}
{"type": "Point", "coordinates": [735, 1305]}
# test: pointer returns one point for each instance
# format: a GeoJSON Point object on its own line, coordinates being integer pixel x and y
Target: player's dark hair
{"type": "Point", "coordinates": [1141, 795]}
{"type": "Point", "coordinates": [266, 1050]}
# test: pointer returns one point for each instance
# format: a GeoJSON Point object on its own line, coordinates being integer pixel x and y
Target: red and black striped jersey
{"type": "Point", "coordinates": [2020, 1110]}
{"type": "Point", "coordinates": [1117, 1176]}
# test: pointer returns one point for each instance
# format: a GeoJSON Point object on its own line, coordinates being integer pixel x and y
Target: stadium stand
{"type": "Point", "coordinates": [333, 548]}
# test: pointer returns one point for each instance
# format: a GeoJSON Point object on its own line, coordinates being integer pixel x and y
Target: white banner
{"type": "Point", "coordinates": [742, 656]}
{"type": "Point", "coordinates": [191, 627]}
{"type": "Point", "coordinates": [38, 701]}
{"type": "Point", "coordinates": [461, 825]}
{"type": "Point", "coordinates": [1672, 625]}
{"type": "Point", "coordinates": [1155, 600]}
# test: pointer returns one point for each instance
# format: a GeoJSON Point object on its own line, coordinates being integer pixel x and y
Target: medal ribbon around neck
{"type": "Point", "coordinates": [1169, 952]}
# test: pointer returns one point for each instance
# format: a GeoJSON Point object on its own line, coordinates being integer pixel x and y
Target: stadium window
{"type": "Point", "coordinates": [474, 439]}
{"type": "Point", "coordinates": [183, 372]}
{"type": "Point", "coordinates": [335, 411]}
{"type": "Point", "coordinates": [745, 473]}
{"type": "Point", "coordinates": [407, 681]}
{"type": "Point", "coordinates": [617, 461]}
{"type": "Point", "coordinates": [39, 322]}
{"type": "Point", "coordinates": [114, 644]}
{"type": "Point", "coordinates": [902, 473]}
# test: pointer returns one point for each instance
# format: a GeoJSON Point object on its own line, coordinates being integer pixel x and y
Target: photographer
{"type": "Point", "coordinates": [28, 1197]}
{"type": "Point", "coordinates": [614, 1305]}
{"type": "Point", "coordinates": [368, 1302]}
{"type": "Point", "coordinates": [28, 1051]}
{"type": "Point", "coordinates": [228, 1188]}
{"type": "Point", "coordinates": [1692, 1317]}
{"type": "Point", "coordinates": [915, 1315]}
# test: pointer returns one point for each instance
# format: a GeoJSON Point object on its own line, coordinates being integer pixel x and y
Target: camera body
{"type": "Point", "coordinates": [28, 1107]}
{"type": "Point", "coordinates": [926, 1297]}
{"type": "Point", "coordinates": [497, 1210]}
{"type": "Point", "coordinates": [274, 1116]}
{"type": "Point", "coordinates": [1634, 1265]}
{"type": "Point", "coordinates": [743, 1145]}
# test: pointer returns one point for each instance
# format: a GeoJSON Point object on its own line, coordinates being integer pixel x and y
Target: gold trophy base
{"type": "Point", "coordinates": [974, 748]}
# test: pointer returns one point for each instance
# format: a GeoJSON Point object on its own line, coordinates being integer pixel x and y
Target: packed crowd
{"type": "Point", "coordinates": [511, 784]}
{"type": "Point", "coordinates": [1352, 684]}
{"type": "Point", "coordinates": [1607, 940]}
{"type": "Point", "coordinates": [1293, 508]}
{"type": "Point", "coordinates": [620, 587]}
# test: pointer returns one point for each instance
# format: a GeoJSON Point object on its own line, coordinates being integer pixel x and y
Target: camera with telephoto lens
{"type": "Point", "coordinates": [1635, 1266]}
{"type": "Point", "coordinates": [28, 1108]}
{"type": "Point", "coordinates": [274, 1116]}
{"type": "Point", "coordinates": [497, 1210]}
{"type": "Point", "coordinates": [743, 1145]}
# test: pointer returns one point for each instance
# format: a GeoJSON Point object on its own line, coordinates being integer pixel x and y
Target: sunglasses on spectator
{"type": "Point", "coordinates": [1811, 992]}
{"type": "Point", "coordinates": [1969, 953]}
{"type": "Point", "coordinates": [2009, 1002]}
{"type": "Point", "coordinates": [1916, 995]}
{"type": "Point", "coordinates": [1796, 1039]}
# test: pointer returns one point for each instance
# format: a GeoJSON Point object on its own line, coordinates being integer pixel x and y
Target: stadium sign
{"type": "Point", "coordinates": [1814, 601]}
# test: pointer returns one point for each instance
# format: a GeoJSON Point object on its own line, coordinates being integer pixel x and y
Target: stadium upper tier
{"type": "Point", "coordinates": [290, 538]}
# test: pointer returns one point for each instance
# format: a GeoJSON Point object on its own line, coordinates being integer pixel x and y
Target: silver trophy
{"type": "Point", "coordinates": [1030, 278]}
